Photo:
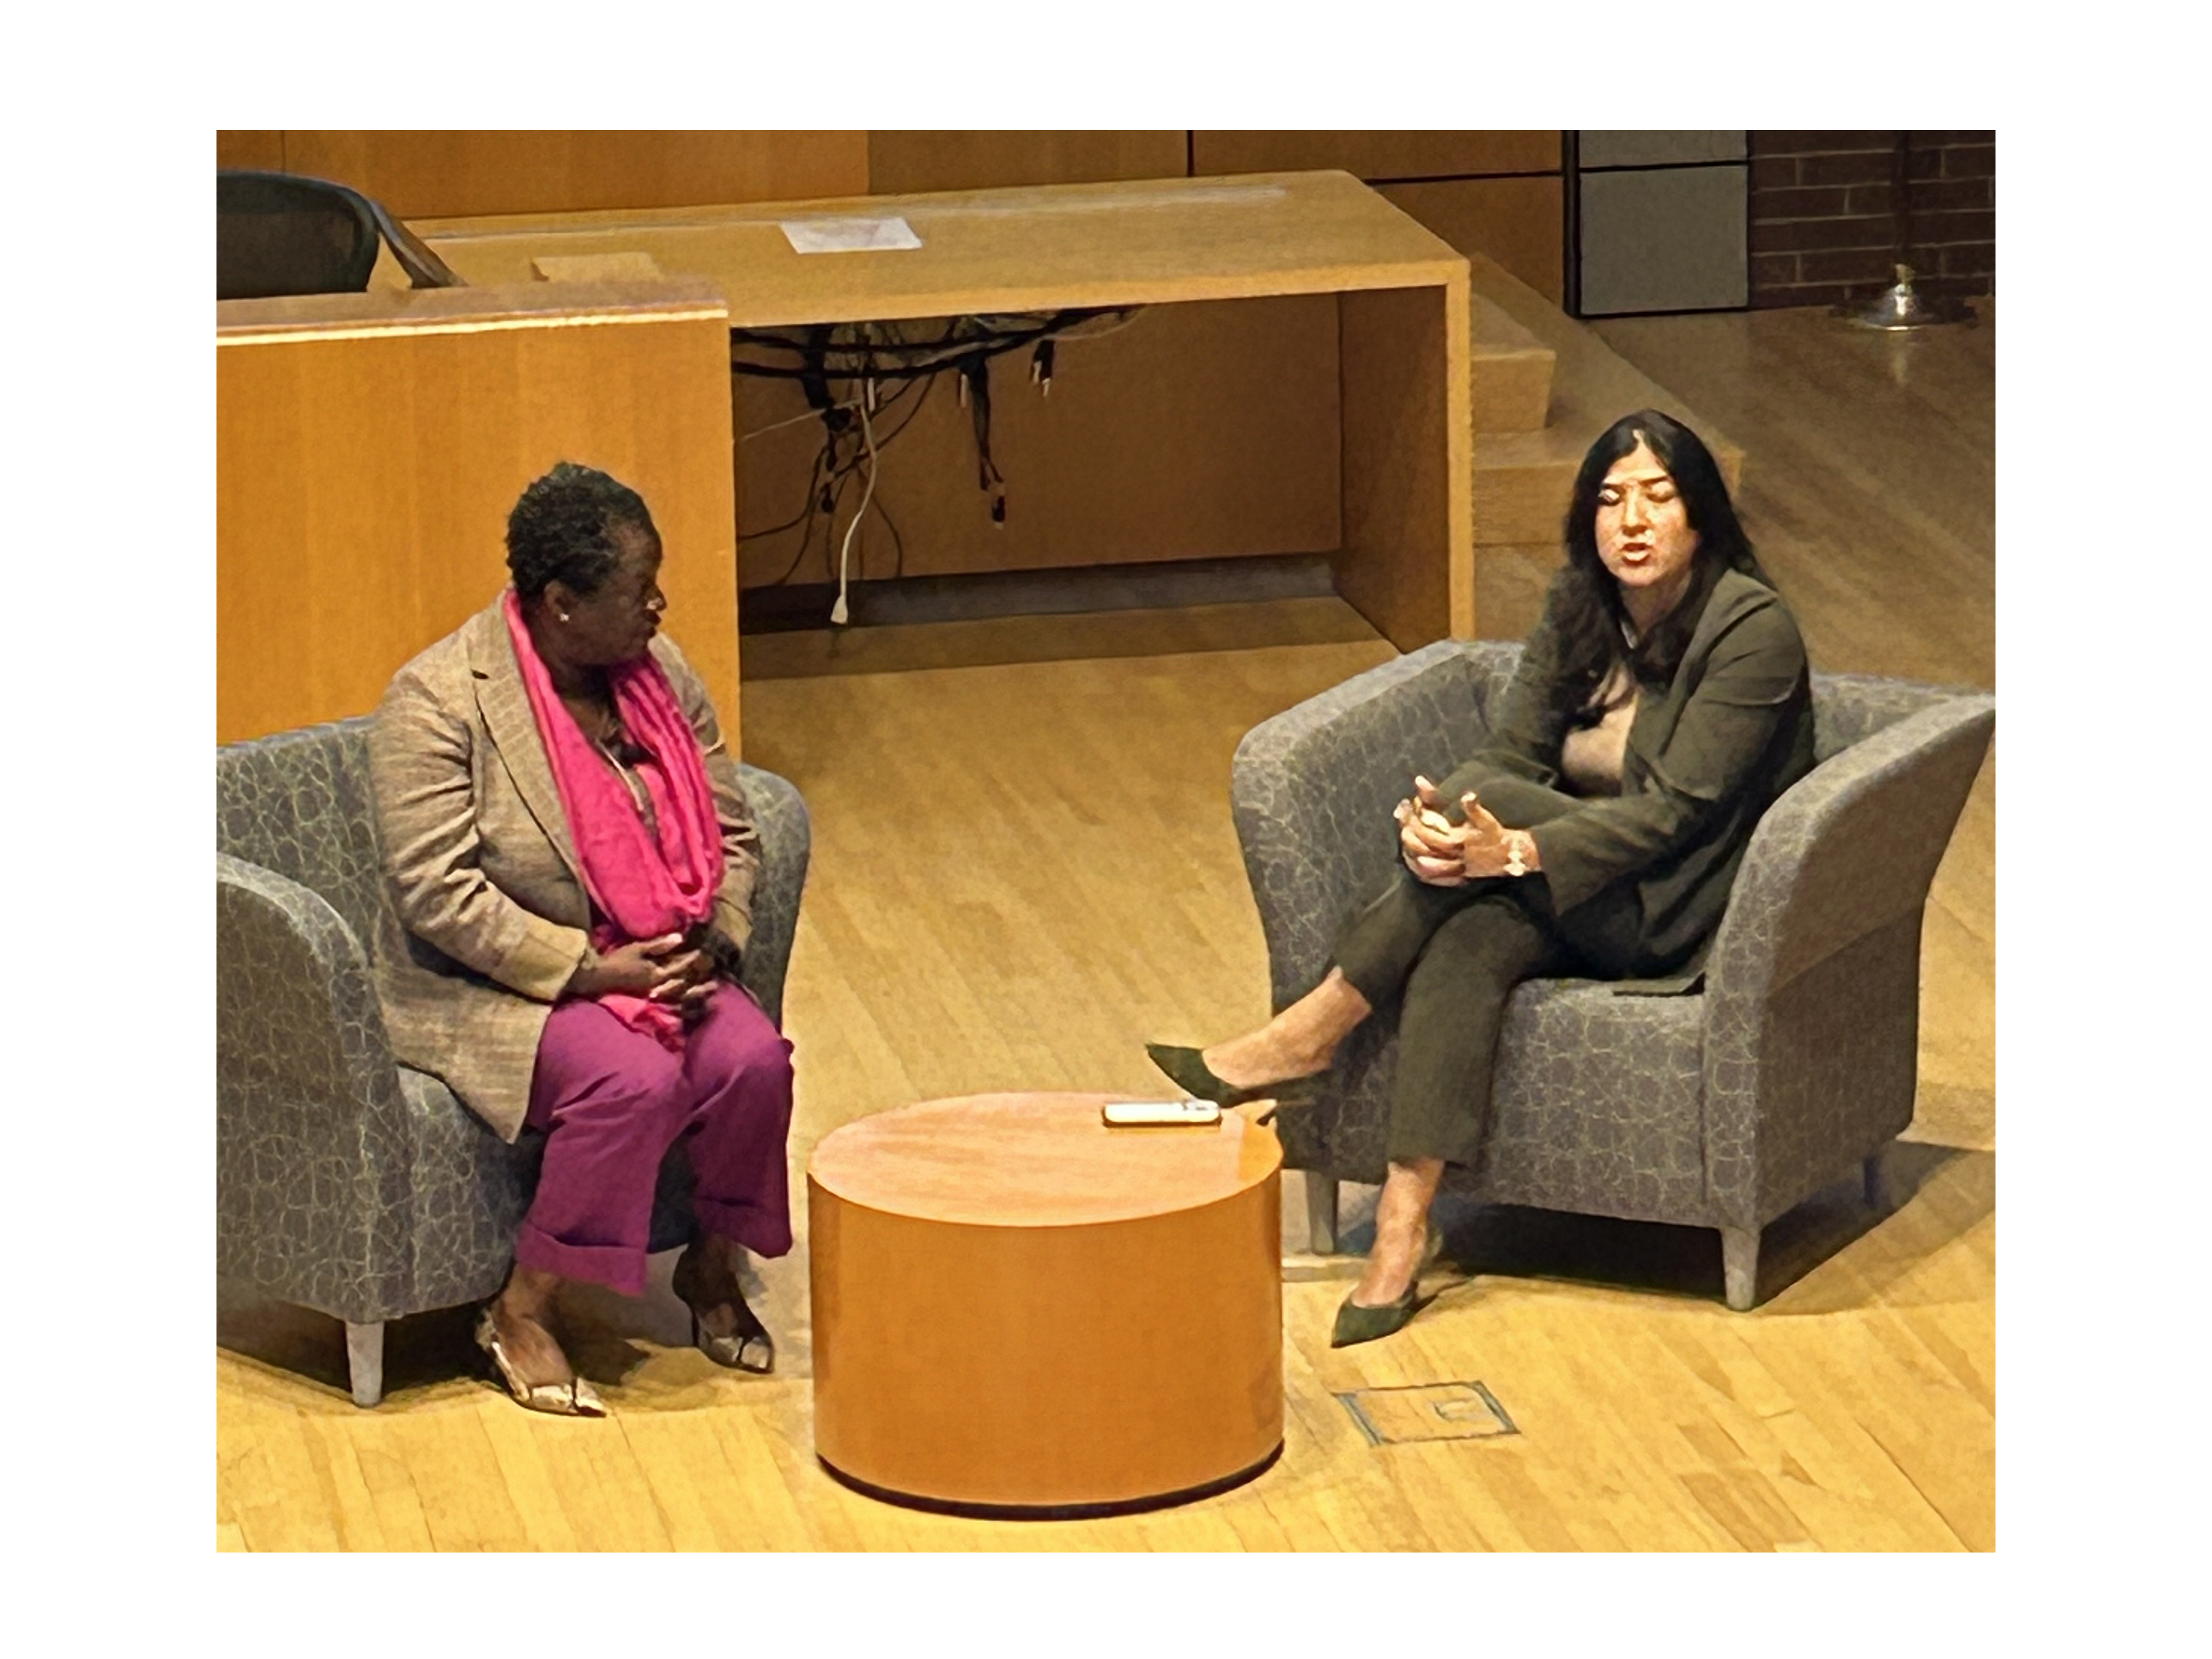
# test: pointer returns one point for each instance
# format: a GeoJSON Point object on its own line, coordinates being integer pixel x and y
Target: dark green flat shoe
{"type": "Point", "coordinates": [1186, 1069]}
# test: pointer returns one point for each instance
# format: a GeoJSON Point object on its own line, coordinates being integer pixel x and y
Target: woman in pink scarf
{"type": "Point", "coordinates": [559, 818]}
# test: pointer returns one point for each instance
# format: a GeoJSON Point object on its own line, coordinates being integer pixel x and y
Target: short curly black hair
{"type": "Point", "coordinates": [563, 528]}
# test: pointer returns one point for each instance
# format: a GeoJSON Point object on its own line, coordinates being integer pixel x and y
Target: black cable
{"type": "Point", "coordinates": [964, 337]}
{"type": "Point", "coordinates": [822, 356]}
{"type": "Point", "coordinates": [979, 410]}
{"type": "Point", "coordinates": [837, 495]}
{"type": "Point", "coordinates": [927, 386]}
{"type": "Point", "coordinates": [898, 542]}
{"type": "Point", "coordinates": [813, 489]}
{"type": "Point", "coordinates": [819, 341]}
{"type": "Point", "coordinates": [865, 368]}
{"type": "Point", "coordinates": [969, 355]}
{"type": "Point", "coordinates": [806, 540]}
{"type": "Point", "coordinates": [889, 401]}
{"type": "Point", "coordinates": [977, 380]}
{"type": "Point", "coordinates": [813, 364]}
{"type": "Point", "coordinates": [830, 540]}
{"type": "Point", "coordinates": [839, 474]}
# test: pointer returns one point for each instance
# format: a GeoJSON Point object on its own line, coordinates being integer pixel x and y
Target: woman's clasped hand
{"type": "Point", "coordinates": [1443, 854]}
{"type": "Point", "coordinates": [661, 970]}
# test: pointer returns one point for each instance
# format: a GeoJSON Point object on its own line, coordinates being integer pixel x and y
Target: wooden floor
{"type": "Point", "coordinates": [1023, 867]}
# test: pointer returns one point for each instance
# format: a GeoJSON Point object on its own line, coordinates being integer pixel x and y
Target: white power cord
{"type": "Point", "coordinates": [839, 614]}
{"type": "Point", "coordinates": [778, 426]}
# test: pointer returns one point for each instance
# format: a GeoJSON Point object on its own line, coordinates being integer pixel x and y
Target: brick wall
{"type": "Point", "coordinates": [1822, 206]}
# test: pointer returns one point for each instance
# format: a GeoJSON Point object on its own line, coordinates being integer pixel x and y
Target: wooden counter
{"type": "Point", "coordinates": [370, 446]}
{"type": "Point", "coordinates": [1406, 552]}
{"type": "Point", "coordinates": [1035, 248]}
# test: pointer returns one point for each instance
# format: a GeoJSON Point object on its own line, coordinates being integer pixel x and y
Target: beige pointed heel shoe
{"type": "Point", "coordinates": [750, 1348]}
{"type": "Point", "coordinates": [575, 1398]}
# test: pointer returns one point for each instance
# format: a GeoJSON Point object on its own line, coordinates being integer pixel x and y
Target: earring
{"type": "Point", "coordinates": [564, 616]}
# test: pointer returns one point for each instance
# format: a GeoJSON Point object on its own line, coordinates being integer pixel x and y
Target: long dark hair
{"type": "Point", "coordinates": [1593, 618]}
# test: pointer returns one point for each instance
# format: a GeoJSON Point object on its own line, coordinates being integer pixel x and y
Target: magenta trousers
{"type": "Point", "coordinates": [613, 1101]}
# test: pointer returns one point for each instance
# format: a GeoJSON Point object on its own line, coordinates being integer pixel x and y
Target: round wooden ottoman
{"type": "Point", "coordinates": [1017, 1308]}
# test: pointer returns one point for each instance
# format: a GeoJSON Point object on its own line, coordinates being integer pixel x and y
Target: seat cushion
{"type": "Point", "coordinates": [1596, 1103]}
{"type": "Point", "coordinates": [471, 1191]}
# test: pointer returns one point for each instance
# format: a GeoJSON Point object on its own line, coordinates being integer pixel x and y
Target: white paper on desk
{"type": "Point", "coordinates": [849, 235]}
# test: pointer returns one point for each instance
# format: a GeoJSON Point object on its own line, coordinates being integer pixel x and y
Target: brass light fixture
{"type": "Point", "coordinates": [1902, 307]}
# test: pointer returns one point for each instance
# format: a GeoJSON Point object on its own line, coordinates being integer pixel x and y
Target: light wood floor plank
{"type": "Point", "coordinates": [755, 1507]}
{"type": "Point", "coordinates": [524, 1457]}
{"type": "Point", "coordinates": [385, 1471]}
{"type": "Point", "coordinates": [1257, 1531]}
{"type": "Point", "coordinates": [338, 1455]}
{"type": "Point", "coordinates": [465, 1499]}
{"type": "Point", "coordinates": [274, 1490]}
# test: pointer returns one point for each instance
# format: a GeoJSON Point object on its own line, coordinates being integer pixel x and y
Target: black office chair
{"type": "Point", "coordinates": [280, 233]}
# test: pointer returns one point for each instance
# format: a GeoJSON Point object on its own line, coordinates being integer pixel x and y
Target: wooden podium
{"type": "Point", "coordinates": [370, 446]}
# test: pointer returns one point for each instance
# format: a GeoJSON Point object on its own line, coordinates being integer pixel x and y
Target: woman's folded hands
{"type": "Point", "coordinates": [664, 970]}
{"type": "Point", "coordinates": [1443, 854]}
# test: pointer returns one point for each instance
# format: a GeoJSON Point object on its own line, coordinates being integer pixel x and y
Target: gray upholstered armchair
{"type": "Point", "coordinates": [1792, 1066]}
{"type": "Point", "coordinates": [344, 1181]}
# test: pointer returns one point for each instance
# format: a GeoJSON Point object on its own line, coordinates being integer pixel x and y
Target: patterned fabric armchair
{"type": "Point", "coordinates": [344, 1181]}
{"type": "Point", "coordinates": [1724, 1108]}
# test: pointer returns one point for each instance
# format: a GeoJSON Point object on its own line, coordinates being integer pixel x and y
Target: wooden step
{"type": "Point", "coordinates": [1524, 478]}
{"type": "Point", "coordinates": [1512, 372]}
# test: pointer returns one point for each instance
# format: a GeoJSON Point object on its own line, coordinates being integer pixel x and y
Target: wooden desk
{"type": "Point", "coordinates": [1406, 553]}
{"type": "Point", "coordinates": [370, 446]}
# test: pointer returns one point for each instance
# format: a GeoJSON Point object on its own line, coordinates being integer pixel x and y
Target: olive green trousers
{"type": "Point", "coordinates": [1449, 957]}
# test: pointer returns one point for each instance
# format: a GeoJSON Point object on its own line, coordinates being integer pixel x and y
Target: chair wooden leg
{"type": "Point", "coordinates": [1881, 1195]}
{"type": "Point", "coordinates": [1739, 1266]}
{"type": "Point", "coordinates": [1321, 1212]}
{"type": "Point", "coordinates": [365, 1361]}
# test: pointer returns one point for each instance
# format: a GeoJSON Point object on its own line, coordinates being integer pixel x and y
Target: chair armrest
{"type": "Point", "coordinates": [1848, 708]}
{"type": "Point", "coordinates": [786, 837]}
{"type": "Point", "coordinates": [415, 257]}
{"type": "Point", "coordinates": [1812, 989]}
{"type": "Point", "coordinates": [1311, 791]}
{"type": "Point", "coordinates": [312, 1148]}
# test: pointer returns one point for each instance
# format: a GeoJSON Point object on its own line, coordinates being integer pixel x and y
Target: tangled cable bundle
{"type": "Point", "coordinates": [910, 353]}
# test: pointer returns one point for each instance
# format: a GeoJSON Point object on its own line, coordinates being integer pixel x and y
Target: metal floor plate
{"type": "Point", "coordinates": [1427, 1411]}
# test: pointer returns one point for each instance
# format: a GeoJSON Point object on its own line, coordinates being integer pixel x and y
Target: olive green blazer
{"type": "Point", "coordinates": [1707, 753]}
{"type": "Point", "coordinates": [488, 916]}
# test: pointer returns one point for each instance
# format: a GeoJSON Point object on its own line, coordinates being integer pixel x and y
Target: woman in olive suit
{"type": "Point", "coordinates": [1662, 704]}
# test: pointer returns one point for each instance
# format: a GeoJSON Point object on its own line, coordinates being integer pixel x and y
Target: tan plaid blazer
{"type": "Point", "coordinates": [488, 916]}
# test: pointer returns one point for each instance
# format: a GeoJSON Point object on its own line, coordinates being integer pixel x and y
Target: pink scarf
{"type": "Point", "coordinates": [642, 888]}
